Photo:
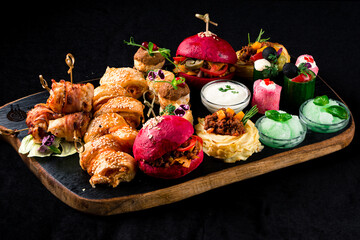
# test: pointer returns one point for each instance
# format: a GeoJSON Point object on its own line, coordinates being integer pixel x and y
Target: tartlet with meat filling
{"type": "Point", "coordinates": [229, 136]}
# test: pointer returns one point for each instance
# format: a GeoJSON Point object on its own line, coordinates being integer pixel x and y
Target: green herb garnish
{"type": "Point", "coordinates": [168, 110]}
{"type": "Point", "coordinates": [271, 71]}
{"type": "Point", "coordinates": [249, 114]}
{"type": "Point", "coordinates": [54, 149]}
{"type": "Point", "coordinates": [304, 68]}
{"type": "Point", "coordinates": [337, 111]}
{"type": "Point", "coordinates": [163, 51]}
{"type": "Point", "coordinates": [278, 116]}
{"type": "Point", "coordinates": [321, 100]}
{"type": "Point", "coordinates": [258, 39]}
{"type": "Point", "coordinates": [228, 88]}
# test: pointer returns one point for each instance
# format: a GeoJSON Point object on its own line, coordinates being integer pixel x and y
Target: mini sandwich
{"type": "Point", "coordinates": [205, 57]}
{"type": "Point", "coordinates": [166, 147]}
{"type": "Point", "coordinates": [144, 62]}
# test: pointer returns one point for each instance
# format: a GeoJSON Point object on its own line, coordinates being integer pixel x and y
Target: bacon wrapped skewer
{"type": "Point", "coordinates": [66, 97]}
{"type": "Point", "coordinates": [38, 121]}
{"type": "Point", "coordinates": [71, 126]}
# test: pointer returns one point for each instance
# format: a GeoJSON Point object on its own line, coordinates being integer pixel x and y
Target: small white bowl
{"type": "Point", "coordinates": [213, 105]}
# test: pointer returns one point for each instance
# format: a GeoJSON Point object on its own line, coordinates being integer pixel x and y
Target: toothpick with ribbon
{"type": "Point", "coordinates": [44, 83]}
{"type": "Point", "coordinates": [70, 61]}
{"type": "Point", "coordinates": [206, 19]}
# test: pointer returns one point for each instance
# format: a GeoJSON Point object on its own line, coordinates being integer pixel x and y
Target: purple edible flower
{"type": "Point", "coordinates": [151, 75]}
{"type": "Point", "coordinates": [185, 107]}
{"type": "Point", "coordinates": [48, 140]}
{"type": "Point", "coordinates": [308, 65]}
{"type": "Point", "coordinates": [43, 148]}
{"type": "Point", "coordinates": [161, 74]}
{"type": "Point", "coordinates": [279, 51]}
{"type": "Point", "coordinates": [179, 112]}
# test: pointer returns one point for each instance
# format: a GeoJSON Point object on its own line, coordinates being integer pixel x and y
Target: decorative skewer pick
{"type": "Point", "coordinates": [206, 19]}
{"type": "Point", "coordinates": [70, 61]}
{"type": "Point", "coordinates": [44, 83]}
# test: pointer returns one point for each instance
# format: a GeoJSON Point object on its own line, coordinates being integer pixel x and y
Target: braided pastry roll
{"type": "Point", "coordinates": [129, 78]}
{"type": "Point", "coordinates": [107, 156]}
{"type": "Point", "coordinates": [129, 108]}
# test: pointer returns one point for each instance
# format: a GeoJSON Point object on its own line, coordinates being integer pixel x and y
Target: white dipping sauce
{"type": "Point", "coordinates": [226, 94]}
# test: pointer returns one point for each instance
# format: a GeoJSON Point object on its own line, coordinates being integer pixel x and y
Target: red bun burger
{"type": "Point", "coordinates": [166, 148]}
{"type": "Point", "coordinates": [205, 57]}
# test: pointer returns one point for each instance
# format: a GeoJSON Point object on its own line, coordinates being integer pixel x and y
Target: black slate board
{"type": "Point", "coordinates": [69, 174]}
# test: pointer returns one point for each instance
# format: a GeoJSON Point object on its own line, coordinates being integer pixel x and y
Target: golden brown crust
{"type": "Point", "coordinates": [128, 107]}
{"type": "Point", "coordinates": [130, 79]}
{"type": "Point", "coordinates": [100, 125]}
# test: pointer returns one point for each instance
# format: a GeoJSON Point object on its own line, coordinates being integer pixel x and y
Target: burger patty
{"type": "Point", "coordinates": [169, 158]}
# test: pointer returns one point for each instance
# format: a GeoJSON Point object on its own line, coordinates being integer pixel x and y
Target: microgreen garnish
{"type": "Point", "coordinates": [304, 68]}
{"type": "Point", "coordinates": [258, 39]}
{"type": "Point", "coordinates": [249, 114]}
{"type": "Point", "coordinates": [321, 100]}
{"type": "Point", "coordinates": [172, 110]}
{"type": "Point", "coordinates": [175, 82]}
{"type": "Point", "coordinates": [273, 58]}
{"type": "Point", "coordinates": [227, 88]}
{"type": "Point", "coordinates": [271, 71]}
{"type": "Point", "coordinates": [168, 110]}
{"type": "Point", "coordinates": [163, 51]}
{"type": "Point", "coordinates": [278, 116]}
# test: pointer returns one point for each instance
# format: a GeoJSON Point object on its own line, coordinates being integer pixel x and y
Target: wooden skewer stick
{"type": "Point", "coordinates": [11, 132]}
{"type": "Point", "coordinates": [44, 83]}
{"type": "Point", "coordinates": [206, 19]}
{"type": "Point", "coordinates": [70, 61]}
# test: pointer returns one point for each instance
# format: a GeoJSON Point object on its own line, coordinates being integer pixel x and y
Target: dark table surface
{"type": "Point", "coordinates": [319, 199]}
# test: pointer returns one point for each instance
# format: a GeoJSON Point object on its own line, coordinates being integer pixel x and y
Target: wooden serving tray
{"type": "Point", "coordinates": [67, 181]}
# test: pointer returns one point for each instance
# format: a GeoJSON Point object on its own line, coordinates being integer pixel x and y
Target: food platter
{"type": "Point", "coordinates": [64, 177]}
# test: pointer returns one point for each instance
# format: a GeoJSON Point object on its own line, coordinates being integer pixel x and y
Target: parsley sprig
{"type": "Point", "coordinates": [228, 88]}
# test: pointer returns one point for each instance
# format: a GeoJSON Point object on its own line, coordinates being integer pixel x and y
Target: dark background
{"type": "Point", "coordinates": [319, 199]}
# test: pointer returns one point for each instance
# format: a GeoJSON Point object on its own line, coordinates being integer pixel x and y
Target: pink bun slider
{"type": "Point", "coordinates": [209, 47]}
{"type": "Point", "coordinates": [163, 144]}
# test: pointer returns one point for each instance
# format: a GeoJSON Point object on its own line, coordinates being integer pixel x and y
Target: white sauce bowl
{"type": "Point", "coordinates": [225, 94]}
